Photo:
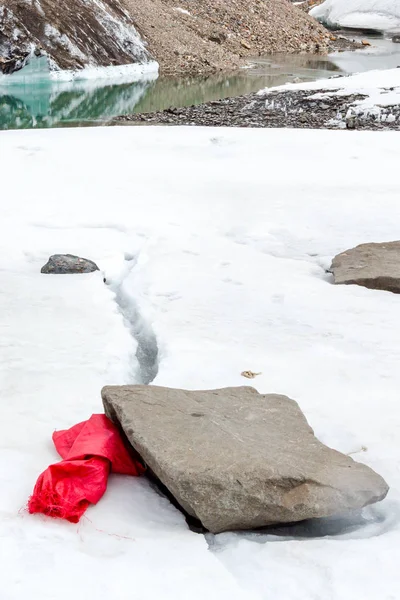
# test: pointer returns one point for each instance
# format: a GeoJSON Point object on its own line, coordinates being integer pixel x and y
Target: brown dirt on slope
{"type": "Point", "coordinates": [206, 36]}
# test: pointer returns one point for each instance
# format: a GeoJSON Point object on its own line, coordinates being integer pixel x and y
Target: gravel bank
{"type": "Point", "coordinates": [277, 109]}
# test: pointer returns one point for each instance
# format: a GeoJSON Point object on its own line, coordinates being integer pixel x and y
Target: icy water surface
{"type": "Point", "coordinates": [30, 99]}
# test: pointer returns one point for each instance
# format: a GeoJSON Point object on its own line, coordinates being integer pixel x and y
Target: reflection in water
{"type": "Point", "coordinates": [50, 105]}
{"type": "Point", "coordinates": [38, 102]}
{"type": "Point", "coordinates": [263, 73]}
{"type": "Point", "coordinates": [32, 100]}
{"type": "Point", "coordinates": [382, 54]}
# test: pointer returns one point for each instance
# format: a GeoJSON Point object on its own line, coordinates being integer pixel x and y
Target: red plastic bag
{"type": "Point", "coordinates": [90, 451]}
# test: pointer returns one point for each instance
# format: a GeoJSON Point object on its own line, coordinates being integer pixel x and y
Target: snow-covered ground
{"type": "Point", "coordinates": [383, 15]}
{"type": "Point", "coordinates": [380, 91]}
{"type": "Point", "coordinates": [214, 244]}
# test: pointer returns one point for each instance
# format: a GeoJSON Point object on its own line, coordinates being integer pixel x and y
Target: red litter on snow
{"type": "Point", "coordinates": [90, 451]}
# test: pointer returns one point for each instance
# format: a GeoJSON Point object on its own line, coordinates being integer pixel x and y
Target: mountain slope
{"type": "Point", "coordinates": [185, 37]}
{"type": "Point", "coordinates": [211, 35]}
{"type": "Point", "coordinates": [73, 34]}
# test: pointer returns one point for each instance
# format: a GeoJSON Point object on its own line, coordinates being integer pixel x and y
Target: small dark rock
{"type": "Point", "coordinates": [218, 37]}
{"type": "Point", "coordinates": [396, 39]}
{"type": "Point", "coordinates": [66, 264]}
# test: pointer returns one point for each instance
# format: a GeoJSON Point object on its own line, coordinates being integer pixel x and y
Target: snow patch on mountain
{"type": "Point", "coordinates": [383, 15]}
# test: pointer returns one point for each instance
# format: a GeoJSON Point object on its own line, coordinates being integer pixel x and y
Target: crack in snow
{"type": "Point", "coordinates": [141, 330]}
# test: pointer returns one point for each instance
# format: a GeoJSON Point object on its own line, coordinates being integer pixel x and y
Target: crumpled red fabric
{"type": "Point", "coordinates": [90, 451]}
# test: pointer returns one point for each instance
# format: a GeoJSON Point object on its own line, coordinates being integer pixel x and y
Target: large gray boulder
{"type": "Point", "coordinates": [68, 264]}
{"type": "Point", "coordinates": [237, 459]}
{"type": "Point", "coordinates": [375, 266]}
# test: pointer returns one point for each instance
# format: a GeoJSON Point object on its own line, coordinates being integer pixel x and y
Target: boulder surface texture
{"type": "Point", "coordinates": [375, 266]}
{"type": "Point", "coordinates": [236, 459]}
{"type": "Point", "coordinates": [67, 264]}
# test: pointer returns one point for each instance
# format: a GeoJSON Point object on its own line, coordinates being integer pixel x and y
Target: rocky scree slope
{"type": "Point", "coordinates": [185, 37]}
{"type": "Point", "coordinates": [207, 36]}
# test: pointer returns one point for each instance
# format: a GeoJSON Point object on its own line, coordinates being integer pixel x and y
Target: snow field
{"type": "Point", "coordinates": [221, 239]}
